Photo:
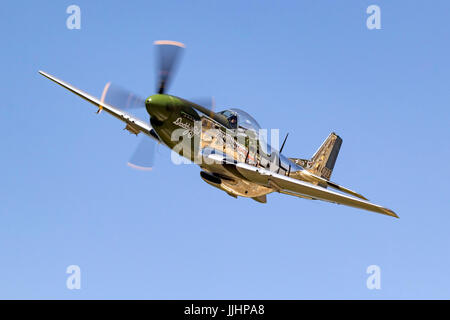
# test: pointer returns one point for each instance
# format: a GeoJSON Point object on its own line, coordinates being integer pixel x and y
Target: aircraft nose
{"type": "Point", "coordinates": [158, 106]}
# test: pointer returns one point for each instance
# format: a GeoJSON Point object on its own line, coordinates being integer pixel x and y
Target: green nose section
{"type": "Point", "coordinates": [159, 106]}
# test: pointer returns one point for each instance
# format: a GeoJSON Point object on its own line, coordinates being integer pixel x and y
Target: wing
{"type": "Point", "coordinates": [134, 124]}
{"type": "Point", "coordinates": [296, 187]}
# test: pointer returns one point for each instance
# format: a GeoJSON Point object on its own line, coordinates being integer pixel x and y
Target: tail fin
{"type": "Point", "coordinates": [321, 166]}
{"type": "Point", "coordinates": [322, 162]}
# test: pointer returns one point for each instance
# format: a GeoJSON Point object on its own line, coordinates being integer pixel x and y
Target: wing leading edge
{"type": "Point", "coordinates": [135, 123]}
{"type": "Point", "coordinates": [299, 188]}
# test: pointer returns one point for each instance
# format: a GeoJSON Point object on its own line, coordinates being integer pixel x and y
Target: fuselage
{"type": "Point", "coordinates": [195, 132]}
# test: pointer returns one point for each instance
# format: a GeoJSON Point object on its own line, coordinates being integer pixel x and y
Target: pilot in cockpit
{"type": "Point", "coordinates": [232, 120]}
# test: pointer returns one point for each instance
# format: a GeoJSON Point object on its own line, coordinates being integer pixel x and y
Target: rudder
{"type": "Point", "coordinates": [323, 161]}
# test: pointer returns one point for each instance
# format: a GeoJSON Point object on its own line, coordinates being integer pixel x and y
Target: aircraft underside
{"type": "Point", "coordinates": [225, 179]}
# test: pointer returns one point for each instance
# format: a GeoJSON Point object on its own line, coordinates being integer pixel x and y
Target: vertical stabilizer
{"type": "Point", "coordinates": [322, 162]}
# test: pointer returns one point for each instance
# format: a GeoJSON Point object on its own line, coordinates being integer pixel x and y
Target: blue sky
{"type": "Point", "coordinates": [306, 67]}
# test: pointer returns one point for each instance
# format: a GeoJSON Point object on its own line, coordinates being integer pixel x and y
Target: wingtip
{"type": "Point", "coordinates": [391, 213]}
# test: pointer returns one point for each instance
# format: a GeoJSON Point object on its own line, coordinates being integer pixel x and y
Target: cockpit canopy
{"type": "Point", "coordinates": [238, 118]}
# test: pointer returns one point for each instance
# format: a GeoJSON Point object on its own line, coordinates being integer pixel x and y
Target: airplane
{"type": "Point", "coordinates": [227, 145]}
